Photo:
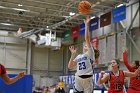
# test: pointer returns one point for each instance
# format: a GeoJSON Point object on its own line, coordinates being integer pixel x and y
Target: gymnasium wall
{"type": "Point", "coordinates": [39, 60]}
{"type": "Point", "coordinates": [130, 11]}
{"type": "Point", "coordinates": [134, 32]}
{"type": "Point", "coordinates": [46, 66]}
{"type": "Point", "coordinates": [136, 38]}
{"type": "Point", "coordinates": [13, 54]}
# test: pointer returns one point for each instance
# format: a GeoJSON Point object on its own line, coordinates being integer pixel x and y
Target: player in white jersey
{"type": "Point", "coordinates": [83, 76]}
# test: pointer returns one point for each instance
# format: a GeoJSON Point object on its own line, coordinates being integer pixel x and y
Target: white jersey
{"type": "Point", "coordinates": [83, 61]}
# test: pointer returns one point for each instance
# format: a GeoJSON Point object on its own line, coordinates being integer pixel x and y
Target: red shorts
{"type": "Point", "coordinates": [109, 91]}
{"type": "Point", "coordinates": [130, 90]}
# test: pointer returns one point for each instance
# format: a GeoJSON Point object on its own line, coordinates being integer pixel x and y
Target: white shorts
{"type": "Point", "coordinates": [85, 85]}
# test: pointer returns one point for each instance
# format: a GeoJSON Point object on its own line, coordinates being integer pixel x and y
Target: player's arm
{"type": "Point", "coordinates": [102, 79]}
{"type": "Point", "coordinates": [87, 35]}
{"type": "Point", "coordinates": [126, 61]}
{"type": "Point", "coordinates": [105, 86]}
{"type": "Point", "coordinates": [72, 63]}
{"type": "Point", "coordinates": [91, 51]}
{"type": "Point", "coordinates": [132, 74]}
{"type": "Point", "coordinates": [8, 80]}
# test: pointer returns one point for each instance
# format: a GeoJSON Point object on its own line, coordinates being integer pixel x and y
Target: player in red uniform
{"type": "Point", "coordinates": [5, 77]}
{"type": "Point", "coordinates": [134, 86]}
{"type": "Point", "coordinates": [116, 77]}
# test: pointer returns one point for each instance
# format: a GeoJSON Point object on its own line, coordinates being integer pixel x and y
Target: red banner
{"type": "Point", "coordinates": [105, 19]}
{"type": "Point", "coordinates": [75, 32]}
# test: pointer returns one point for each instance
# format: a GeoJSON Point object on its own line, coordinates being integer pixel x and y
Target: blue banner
{"type": "Point", "coordinates": [94, 24]}
{"type": "Point", "coordinates": [23, 85]}
{"type": "Point", "coordinates": [82, 29]}
{"type": "Point", "coordinates": [119, 14]}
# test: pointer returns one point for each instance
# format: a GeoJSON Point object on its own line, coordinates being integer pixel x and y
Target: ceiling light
{"type": "Point", "coordinates": [20, 5]}
{"type": "Point", "coordinates": [2, 7]}
{"type": "Point", "coordinates": [120, 5]}
{"type": "Point", "coordinates": [71, 13]}
{"type": "Point", "coordinates": [7, 24]}
{"type": "Point", "coordinates": [92, 17]}
{"type": "Point", "coordinates": [19, 9]}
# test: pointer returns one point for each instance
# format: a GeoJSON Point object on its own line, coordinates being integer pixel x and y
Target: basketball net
{"type": "Point", "coordinates": [20, 30]}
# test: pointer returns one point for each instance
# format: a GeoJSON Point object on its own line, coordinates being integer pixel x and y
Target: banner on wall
{"type": "Point", "coordinates": [67, 79]}
{"type": "Point", "coordinates": [119, 14]}
{"type": "Point", "coordinates": [23, 85]}
{"type": "Point", "coordinates": [67, 35]}
{"type": "Point", "coordinates": [94, 24]}
{"type": "Point", "coordinates": [82, 29]}
{"type": "Point", "coordinates": [105, 19]}
{"type": "Point", "coordinates": [74, 32]}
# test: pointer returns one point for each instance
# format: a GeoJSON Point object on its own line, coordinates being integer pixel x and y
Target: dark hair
{"type": "Point", "coordinates": [137, 64]}
{"type": "Point", "coordinates": [97, 53]}
{"type": "Point", "coordinates": [117, 61]}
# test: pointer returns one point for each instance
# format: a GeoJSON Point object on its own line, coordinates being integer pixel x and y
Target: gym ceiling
{"type": "Point", "coordinates": [57, 15]}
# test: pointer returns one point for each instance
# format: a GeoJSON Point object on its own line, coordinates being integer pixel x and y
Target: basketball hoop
{"type": "Point", "coordinates": [20, 30]}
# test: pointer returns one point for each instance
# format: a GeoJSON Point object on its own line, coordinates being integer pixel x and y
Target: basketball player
{"type": "Point", "coordinates": [116, 77]}
{"type": "Point", "coordinates": [134, 86]}
{"type": "Point", "coordinates": [5, 77]}
{"type": "Point", "coordinates": [83, 76]}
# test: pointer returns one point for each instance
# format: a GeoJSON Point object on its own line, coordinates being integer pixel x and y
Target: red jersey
{"type": "Point", "coordinates": [116, 82]}
{"type": "Point", "coordinates": [2, 70]}
{"type": "Point", "coordinates": [134, 81]}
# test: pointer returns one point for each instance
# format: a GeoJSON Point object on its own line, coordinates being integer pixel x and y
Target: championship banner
{"type": "Point", "coordinates": [66, 36]}
{"type": "Point", "coordinates": [82, 29]}
{"type": "Point", "coordinates": [94, 24]}
{"type": "Point", "coordinates": [105, 19]}
{"type": "Point", "coordinates": [119, 14]}
{"type": "Point", "coordinates": [74, 32]}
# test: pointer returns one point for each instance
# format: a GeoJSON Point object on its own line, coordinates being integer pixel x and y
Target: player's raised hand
{"type": "Point", "coordinates": [72, 49]}
{"type": "Point", "coordinates": [102, 73]}
{"type": "Point", "coordinates": [21, 74]}
{"type": "Point", "coordinates": [86, 21]}
{"type": "Point", "coordinates": [125, 49]}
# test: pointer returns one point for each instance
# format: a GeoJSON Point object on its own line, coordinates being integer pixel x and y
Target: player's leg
{"type": "Point", "coordinates": [88, 85]}
{"type": "Point", "coordinates": [77, 85]}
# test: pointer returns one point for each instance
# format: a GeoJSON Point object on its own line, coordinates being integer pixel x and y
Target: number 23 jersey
{"type": "Point", "coordinates": [83, 61]}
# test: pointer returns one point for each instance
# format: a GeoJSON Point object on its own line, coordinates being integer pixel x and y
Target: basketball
{"type": "Point", "coordinates": [84, 7]}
